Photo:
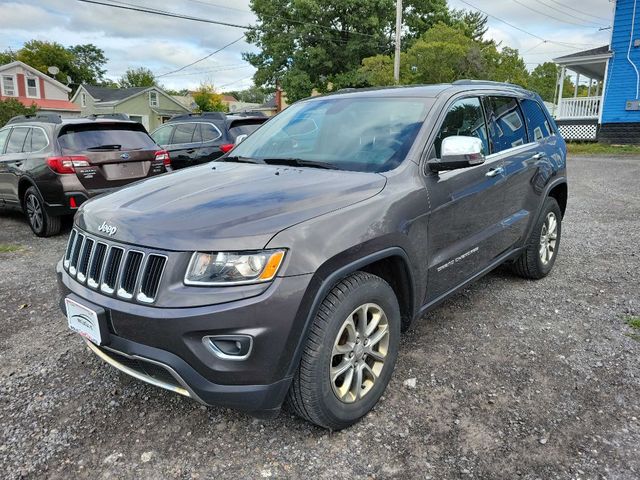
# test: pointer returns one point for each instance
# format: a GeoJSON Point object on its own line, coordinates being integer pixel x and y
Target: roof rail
{"type": "Point", "coordinates": [37, 117]}
{"type": "Point", "coordinates": [466, 81]}
{"type": "Point", "coordinates": [111, 116]}
{"type": "Point", "coordinates": [209, 115]}
{"type": "Point", "coordinates": [247, 113]}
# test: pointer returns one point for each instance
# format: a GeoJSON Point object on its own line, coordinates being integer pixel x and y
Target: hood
{"type": "Point", "coordinates": [223, 206]}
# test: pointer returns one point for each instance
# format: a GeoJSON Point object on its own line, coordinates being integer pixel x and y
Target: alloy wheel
{"type": "Point", "coordinates": [34, 212]}
{"type": "Point", "coordinates": [359, 352]}
{"type": "Point", "coordinates": [548, 238]}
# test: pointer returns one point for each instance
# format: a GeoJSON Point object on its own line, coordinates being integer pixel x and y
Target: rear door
{"type": "Point", "coordinates": [118, 153]}
{"type": "Point", "coordinates": [527, 170]}
{"type": "Point", "coordinates": [212, 141]}
{"type": "Point", "coordinates": [464, 231]}
{"type": "Point", "coordinates": [184, 144]}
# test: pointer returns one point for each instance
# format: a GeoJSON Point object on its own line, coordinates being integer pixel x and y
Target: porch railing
{"type": "Point", "coordinates": [579, 107]}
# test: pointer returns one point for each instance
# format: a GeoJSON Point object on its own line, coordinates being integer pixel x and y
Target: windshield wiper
{"type": "Point", "coordinates": [299, 162]}
{"type": "Point", "coordinates": [239, 159]}
{"type": "Point", "coordinates": [106, 147]}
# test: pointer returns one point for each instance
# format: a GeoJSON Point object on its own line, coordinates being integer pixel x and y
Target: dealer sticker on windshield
{"type": "Point", "coordinates": [83, 320]}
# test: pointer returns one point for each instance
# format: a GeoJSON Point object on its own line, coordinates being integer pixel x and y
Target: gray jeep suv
{"type": "Point", "coordinates": [284, 272]}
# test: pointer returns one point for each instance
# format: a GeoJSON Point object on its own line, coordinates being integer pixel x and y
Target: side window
{"type": "Point", "coordinates": [464, 118]}
{"type": "Point", "coordinates": [210, 132]}
{"type": "Point", "coordinates": [162, 136]}
{"type": "Point", "coordinates": [197, 135]}
{"type": "Point", "coordinates": [38, 140]}
{"type": "Point", "coordinates": [4, 133]}
{"type": "Point", "coordinates": [184, 133]}
{"type": "Point", "coordinates": [506, 125]}
{"type": "Point", "coordinates": [537, 122]}
{"type": "Point", "coordinates": [26, 147]}
{"type": "Point", "coordinates": [16, 140]}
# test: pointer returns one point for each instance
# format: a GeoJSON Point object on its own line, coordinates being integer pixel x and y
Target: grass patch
{"type": "Point", "coordinates": [634, 323]}
{"type": "Point", "coordinates": [9, 248]}
{"type": "Point", "coordinates": [580, 148]}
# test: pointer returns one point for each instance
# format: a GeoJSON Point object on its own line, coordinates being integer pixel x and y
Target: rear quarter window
{"type": "Point", "coordinates": [246, 129]}
{"type": "Point", "coordinates": [537, 122]}
{"type": "Point", "coordinates": [83, 137]}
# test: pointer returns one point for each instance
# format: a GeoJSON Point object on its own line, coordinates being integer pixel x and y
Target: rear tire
{"type": "Point", "coordinates": [42, 224]}
{"type": "Point", "coordinates": [350, 353]}
{"type": "Point", "coordinates": [541, 250]}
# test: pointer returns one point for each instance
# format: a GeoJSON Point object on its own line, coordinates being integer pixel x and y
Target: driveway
{"type": "Point", "coordinates": [513, 379]}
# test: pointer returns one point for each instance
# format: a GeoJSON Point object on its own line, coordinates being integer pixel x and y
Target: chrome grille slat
{"type": "Point", "coordinates": [77, 248]}
{"type": "Point", "coordinates": [151, 276]}
{"type": "Point", "coordinates": [130, 271]}
{"type": "Point", "coordinates": [97, 262]}
{"type": "Point", "coordinates": [111, 269]}
{"type": "Point", "coordinates": [85, 257]}
{"type": "Point", "coordinates": [114, 270]}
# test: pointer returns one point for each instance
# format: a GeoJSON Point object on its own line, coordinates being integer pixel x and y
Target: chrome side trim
{"type": "Point", "coordinates": [145, 378]}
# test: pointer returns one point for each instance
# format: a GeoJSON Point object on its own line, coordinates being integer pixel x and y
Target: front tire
{"type": "Point", "coordinates": [541, 250]}
{"type": "Point", "coordinates": [41, 223]}
{"type": "Point", "coordinates": [350, 354]}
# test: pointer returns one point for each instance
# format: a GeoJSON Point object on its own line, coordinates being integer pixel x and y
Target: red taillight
{"type": "Point", "coordinates": [72, 202]}
{"type": "Point", "coordinates": [163, 155]}
{"type": "Point", "coordinates": [67, 164]}
{"type": "Point", "coordinates": [226, 147]}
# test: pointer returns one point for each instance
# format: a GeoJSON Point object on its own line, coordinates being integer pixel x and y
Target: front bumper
{"type": "Point", "coordinates": [164, 346]}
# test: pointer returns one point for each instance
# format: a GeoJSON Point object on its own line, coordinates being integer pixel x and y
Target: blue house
{"type": "Point", "coordinates": [611, 110]}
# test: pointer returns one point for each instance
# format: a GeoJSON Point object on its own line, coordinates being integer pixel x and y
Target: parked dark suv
{"type": "Point", "coordinates": [198, 138]}
{"type": "Point", "coordinates": [285, 271]}
{"type": "Point", "coordinates": [49, 166]}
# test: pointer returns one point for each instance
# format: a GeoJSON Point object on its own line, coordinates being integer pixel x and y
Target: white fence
{"type": "Point", "coordinates": [579, 107]}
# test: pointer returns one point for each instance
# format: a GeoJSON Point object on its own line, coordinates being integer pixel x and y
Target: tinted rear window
{"type": "Point", "coordinates": [79, 138]}
{"type": "Point", "coordinates": [236, 130]}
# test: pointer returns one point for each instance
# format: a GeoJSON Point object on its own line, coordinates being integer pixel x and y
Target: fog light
{"type": "Point", "coordinates": [229, 347]}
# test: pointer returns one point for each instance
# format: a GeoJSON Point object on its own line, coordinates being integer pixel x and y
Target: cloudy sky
{"type": "Point", "coordinates": [132, 39]}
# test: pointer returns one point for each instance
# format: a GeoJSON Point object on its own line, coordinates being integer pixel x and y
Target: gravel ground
{"type": "Point", "coordinates": [508, 379]}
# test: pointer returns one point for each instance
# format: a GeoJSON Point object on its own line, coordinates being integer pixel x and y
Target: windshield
{"type": "Point", "coordinates": [365, 134]}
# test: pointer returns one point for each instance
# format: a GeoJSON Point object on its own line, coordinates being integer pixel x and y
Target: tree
{"type": "Point", "coordinates": [544, 79]}
{"type": "Point", "coordinates": [207, 100]}
{"type": "Point", "coordinates": [252, 94]}
{"type": "Point", "coordinates": [81, 63]}
{"type": "Point", "coordinates": [7, 56]}
{"type": "Point", "coordinates": [137, 77]}
{"type": "Point", "coordinates": [11, 107]}
{"type": "Point", "coordinates": [88, 62]}
{"type": "Point", "coordinates": [508, 66]}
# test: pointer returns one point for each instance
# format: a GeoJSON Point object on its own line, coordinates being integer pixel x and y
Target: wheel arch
{"type": "Point", "coordinates": [560, 192]}
{"type": "Point", "coordinates": [23, 185]}
{"type": "Point", "coordinates": [392, 264]}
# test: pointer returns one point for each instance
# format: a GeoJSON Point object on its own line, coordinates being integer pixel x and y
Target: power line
{"type": "Point", "coordinates": [563, 44]}
{"type": "Point", "coordinates": [214, 70]}
{"type": "Point", "coordinates": [201, 59]}
{"type": "Point", "coordinates": [569, 22]}
{"type": "Point", "coordinates": [581, 13]}
{"type": "Point", "coordinates": [135, 8]}
{"type": "Point", "coordinates": [572, 13]}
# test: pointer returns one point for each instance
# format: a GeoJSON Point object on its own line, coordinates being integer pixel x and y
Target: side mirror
{"type": "Point", "coordinates": [240, 138]}
{"type": "Point", "coordinates": [458, 152]}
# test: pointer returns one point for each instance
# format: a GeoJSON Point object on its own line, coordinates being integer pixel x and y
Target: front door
{"type": "Point", "coordinates": [464, 232]}
{"type": "Point", "coordinates": [11, 164]}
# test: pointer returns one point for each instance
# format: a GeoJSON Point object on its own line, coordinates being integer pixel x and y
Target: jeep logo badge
{"type": "Point", "coordinates": [108, 229]}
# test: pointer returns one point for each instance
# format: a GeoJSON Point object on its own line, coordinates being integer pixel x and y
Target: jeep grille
{"type": "Point", "coordinates": [117, 270]}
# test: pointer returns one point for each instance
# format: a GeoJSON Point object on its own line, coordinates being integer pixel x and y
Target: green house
{"type": "Point", "coordinates": [151, 106]}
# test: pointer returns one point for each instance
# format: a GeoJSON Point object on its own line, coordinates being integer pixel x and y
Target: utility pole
{"type": "Point", "coordinates": [396, 60]}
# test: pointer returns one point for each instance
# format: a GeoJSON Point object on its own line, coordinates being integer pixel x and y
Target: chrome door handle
{"type": "Point", "coordinates": [494, 172]}
{"type": "Point", "coordinates": [538, 156]}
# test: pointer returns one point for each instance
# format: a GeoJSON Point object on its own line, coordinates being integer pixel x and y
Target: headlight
{"type": "Point", "coordinates": [233, 268]}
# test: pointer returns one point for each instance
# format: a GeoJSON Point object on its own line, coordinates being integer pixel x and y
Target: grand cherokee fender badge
{"type": "Point", "coordinates": [108, 229]}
